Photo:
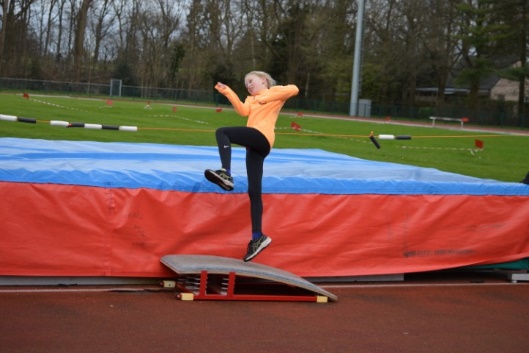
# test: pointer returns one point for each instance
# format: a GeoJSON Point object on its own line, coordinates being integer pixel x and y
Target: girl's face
{"type": "Point", "coordinates": [255, 84]}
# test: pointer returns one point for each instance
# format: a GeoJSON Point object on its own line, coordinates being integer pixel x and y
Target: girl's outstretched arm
{"type": "Point", "coordinates": [278, 93]}
{"type": "Point", "coordinates": [241, 108]}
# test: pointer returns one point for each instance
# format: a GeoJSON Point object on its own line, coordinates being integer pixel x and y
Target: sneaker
{"type": "Point", "coordinates": [256, 246]}
{"type": "Point", "coordinates": [220, 177]}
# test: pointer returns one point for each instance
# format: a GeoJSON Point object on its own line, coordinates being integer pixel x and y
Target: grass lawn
{"type": "Point", "coordinates": [504, 157]}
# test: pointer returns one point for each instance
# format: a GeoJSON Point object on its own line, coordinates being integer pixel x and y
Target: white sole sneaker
{"type": "Point", "coordinates": [256, 250]}
{"type": "Point", "coordinates": [213, 177]}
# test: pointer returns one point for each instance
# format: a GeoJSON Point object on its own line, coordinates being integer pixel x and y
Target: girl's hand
{"type": "Point", "coordinates": [220, 86]}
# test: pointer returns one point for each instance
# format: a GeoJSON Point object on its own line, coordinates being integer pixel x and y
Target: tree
{"type": "Point", "coordinates": [15, 42]}
{"type": "Point", "coordinates": [483, 38]}
{"type": "Point", "coordinates": [101, 26]}
{"type": "Point", "coordinates": [79, 37]}
{"type": "Point", "coordinates": [3, 32]}
{"type": "Point", "coordinates": [335, 49]}
{"type": "Point", "coordinates": [288, 47]}
{"type": "Point", "coordinates": [383, 52]}
{"type": "Point", "coordinates": [441, 43]}
{"type": "Point", "coordinates": [515, 13]}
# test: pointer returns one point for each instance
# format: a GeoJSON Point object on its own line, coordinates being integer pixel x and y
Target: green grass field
{"type": "Point", "coordinates": [504, 157]}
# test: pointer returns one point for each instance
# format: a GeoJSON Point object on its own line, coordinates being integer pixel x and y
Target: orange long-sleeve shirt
{"type": "Point", "coordinates": [262, 109]}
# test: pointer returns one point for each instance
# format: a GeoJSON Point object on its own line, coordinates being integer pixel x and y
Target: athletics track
{"type": "Point", "coordinates": [471, 313]}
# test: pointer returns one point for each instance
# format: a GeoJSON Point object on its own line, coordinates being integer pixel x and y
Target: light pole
{"type": "Point", "coordinates": [353, 108]}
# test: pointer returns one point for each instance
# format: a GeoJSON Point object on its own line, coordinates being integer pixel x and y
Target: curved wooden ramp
{"type": "Point", "coordinates": [205, 277]}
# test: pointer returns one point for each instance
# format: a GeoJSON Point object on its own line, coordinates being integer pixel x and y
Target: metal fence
{"type": "Point", "coordinates": [494, 113]}
{"type": "Point", "coordinates": [105, 90]}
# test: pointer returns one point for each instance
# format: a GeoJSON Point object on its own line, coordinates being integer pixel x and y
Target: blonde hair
{"type": "Point", "coordinates": [269, 80]}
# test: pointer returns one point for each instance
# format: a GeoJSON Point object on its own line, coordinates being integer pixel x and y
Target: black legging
{"type": "Point", "coordinates": [257, 148]}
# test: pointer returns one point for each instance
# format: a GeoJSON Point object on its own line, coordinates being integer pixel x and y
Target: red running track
{"type": "Point", "coordinates": [440, 318]}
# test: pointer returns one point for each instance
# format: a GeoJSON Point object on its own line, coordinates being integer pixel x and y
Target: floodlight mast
{"type": "Point", "coordinates": [353, 109]}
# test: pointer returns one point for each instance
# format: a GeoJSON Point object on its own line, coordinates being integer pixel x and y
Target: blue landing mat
{"type": "Point", "coordinates": [181, 168]}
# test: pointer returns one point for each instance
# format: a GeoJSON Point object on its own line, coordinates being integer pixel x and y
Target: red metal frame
{"type": "Point", "coordinates": [206, 292]}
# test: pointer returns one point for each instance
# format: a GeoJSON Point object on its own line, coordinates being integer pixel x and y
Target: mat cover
{"type": "Point", "coordinates": [78, 208]}
{"type": "Point", "coordinates": [181, 168]}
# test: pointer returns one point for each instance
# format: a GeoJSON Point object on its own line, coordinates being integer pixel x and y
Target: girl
{"type": "Point", "coordinates": [262, 108]}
